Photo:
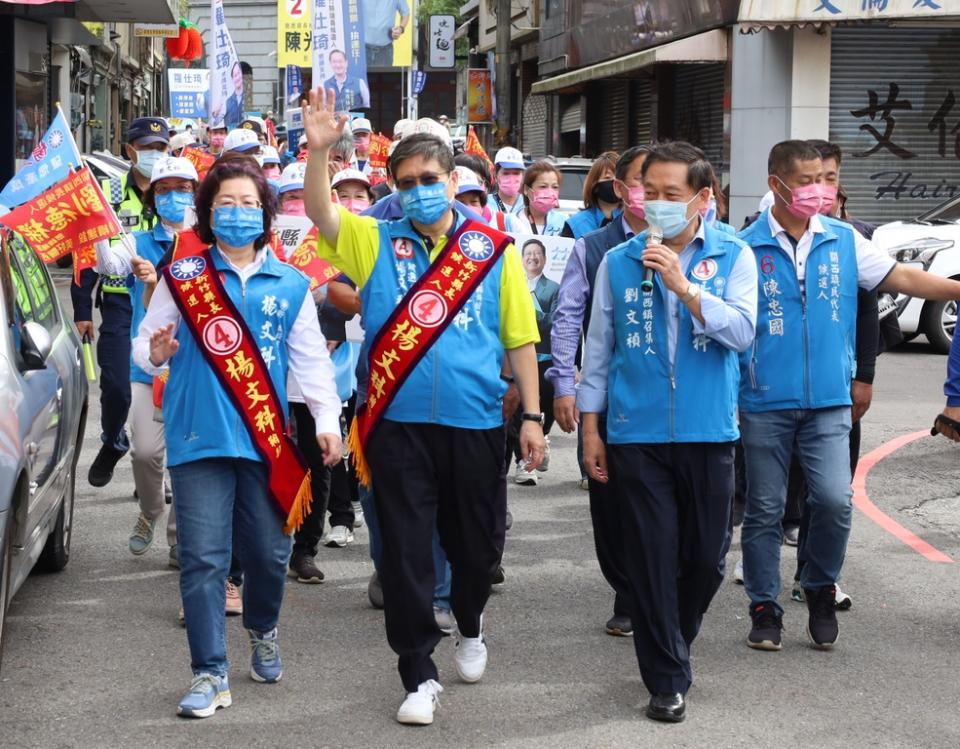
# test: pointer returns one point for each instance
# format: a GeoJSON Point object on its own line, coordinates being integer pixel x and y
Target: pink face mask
{"type": "Point", "coordinates": [829, 199]}
{"type": "Point", "coordinates": [356, 206]}
{"type": "Point", "coordinates": [805, 201]}
{"type": "Point", "coordinates": [509, 185]}
{"type": "Point", "coordinates": [545, 200]}
{"type": "Point", "coordinates": [216, 141]}
{"type": "Point", "coordinates": [294, 208]}
{"type": "Point", "coordinates": [635, 202]}
{"type": "Point", "coordinates": [271, 172]}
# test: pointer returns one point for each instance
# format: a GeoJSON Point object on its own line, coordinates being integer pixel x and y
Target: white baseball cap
{"type": "Point", "coordinates": [180, 140]}
{"type": "Point", "coordinates": [241, 140]}
{"type": "Point", "coordinates": [349, 175]}
{"type": "Point", "coordinates": [302, 141]}
{"type": "Point", "coordinates": [402, 128]}
{"type": "Point", "coordinates": [173, 166]}
{"type": "Point", "coordinates": [469, 181]}
{"type": "Point", "coordinates": [432, 127]}
{"type": "Point", "coordinates": [361, 125]}
{"type": "Point", "coordinates": [509, 158]}
{"type": "Point", "coordinates": [270, 155]}
{"type": "Point", "coordinates": [291, 178]}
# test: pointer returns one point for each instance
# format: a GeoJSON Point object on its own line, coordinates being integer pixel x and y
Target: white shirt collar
{"type": "Point", "coordinates": [259, 258]}
{"type": "Point", "coordinates": [814, 227]}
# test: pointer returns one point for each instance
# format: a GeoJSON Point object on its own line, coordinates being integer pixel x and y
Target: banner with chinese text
{"type": "Point", "coordinates": [201, 160]}
{"type": "Point", "coordinates": [189, 88]}
{"type": "Point", "coordinates": [479, 96]}
{"type": "Point", "coordinates": [294, 33]}
{"type": "Point", "coordinates": [339, 60]}
{"type": "Point", "coordinates": [226, 77]}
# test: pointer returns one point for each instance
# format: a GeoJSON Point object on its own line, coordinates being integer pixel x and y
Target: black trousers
{"type": "Point", "coordinates": [307, 539]}
{"type": "Point", "coordinates": [113, 355]}
{"type": "Point", "coordinates": [343, 483]}
{"type": "Point", "coordinates": [675, 502]}
{"type": "Point", "coordinates": [426, 474]}
{"type": "Point", "coordinates": [608, 537]}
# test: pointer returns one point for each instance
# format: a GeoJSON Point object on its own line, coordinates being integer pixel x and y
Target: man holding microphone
{"type": "Point", "coordinates": [662, 364]}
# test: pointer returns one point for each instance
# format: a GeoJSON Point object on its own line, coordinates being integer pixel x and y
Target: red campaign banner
{"type": "Point", "coordinates": [84, 258]}
{"type": "Point", "coordinates": [70, 216]}
{"type": "Point", "coordinates": [377, 158]}
{"type": "Point", "coordinates": [473, 146]}
{"type": "Point", "coordinates": [305, 258]}
{"type": "Point", "coordinates": [200, 159]}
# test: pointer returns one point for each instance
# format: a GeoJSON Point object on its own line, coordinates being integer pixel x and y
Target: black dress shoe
{"type": "Point", "coordinates": [620, 625]}
{"type": "Point", "coordinates": [669, 708]}
{"type": "Point", "coordinates": [101, 470]}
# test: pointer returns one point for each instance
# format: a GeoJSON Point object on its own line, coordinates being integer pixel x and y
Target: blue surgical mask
{"type": "Point", "coordinates": [425, 204]}
{"type": "Point", "coordinates": [172, 206]}
{"type": "Point", "coordinates": [146, 161]}
{"type": "Point", "coordinates": [669, 215]}
{"type": "Point", "coordinates": [237, 226]}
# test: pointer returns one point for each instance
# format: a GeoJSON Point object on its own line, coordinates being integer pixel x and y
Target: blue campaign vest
{"type": "Point", "coordinates": [200, 420]}
{"type": "Point", "coordinates": [583, 222]}
{"type": "Point", "coordinates": [151, 245]}
{"type": "Point", "coordinates": [596, 244]}
{"type": "Point", "coordinates": [553, 224]}
{"type": "Point", "coordinates": [457, 382]}
{"type": "Point", "coordinates": [650, 401]}
{"type": "Point", "coordinates": [804, 353]}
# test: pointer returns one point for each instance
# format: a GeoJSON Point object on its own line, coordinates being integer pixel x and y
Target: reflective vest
{"type": "Point", "coordinates": [129, 209]}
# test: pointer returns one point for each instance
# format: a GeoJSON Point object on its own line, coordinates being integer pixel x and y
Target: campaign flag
{"type": "Point", "coordinates": [51, 161]}
{"type": "Point", "coordinates": [377, 158]}
{"type": "Point", "coordinates": [294, 33]}
{"type": "Point", "coordinates": [294, 84]}
{"type": "Point", "coordinates": [226, 77]}
{"type": "Point", "coordinates": [188, 92]}
{"type": "Point", "coordinates": [419, 81]}
{"type": "Point", "coordinates": [85, 257]}
{"type": "Point", "coordinates": [298, 237]}
{"type": "Point", "coordinates": [339, 57]}
{"type": "Point", "coordinates": [68, 217]}
{"type": "Point", "coordinates": [201, 160]}
{"type": "Point", "coordinates": [473, 146]}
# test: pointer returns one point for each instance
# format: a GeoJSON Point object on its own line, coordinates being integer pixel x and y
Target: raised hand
{"type": "Point", "coordinates": [163, 345]}
{"type": "Point", "coordinates": [322, 125]}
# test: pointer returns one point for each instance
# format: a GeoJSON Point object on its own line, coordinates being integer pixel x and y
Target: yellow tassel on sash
{"type": "Point", "coordinates": [360, 465]}
{"type": "Point", "coordinates": [302, 505]}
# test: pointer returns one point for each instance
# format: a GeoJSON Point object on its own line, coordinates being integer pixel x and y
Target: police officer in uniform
{"type": "Point", "coordinates": [147, 140]}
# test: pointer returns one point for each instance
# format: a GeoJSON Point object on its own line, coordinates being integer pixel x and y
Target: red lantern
{"type": "Point", "coordinates": [177, 45]}
{"type": "Point", "coordinates": [194, 46]}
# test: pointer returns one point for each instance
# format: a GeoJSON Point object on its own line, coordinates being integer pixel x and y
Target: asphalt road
{"type": "Point", "coordinates": [95, 657]}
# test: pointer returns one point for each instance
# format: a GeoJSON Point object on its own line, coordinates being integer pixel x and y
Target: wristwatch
{"type": "Point", "coordinates": [509, 379]}
{"type": "Point", "coordinates": [692, 291]}
{"type": "Point", "coordinates": [539, 418]}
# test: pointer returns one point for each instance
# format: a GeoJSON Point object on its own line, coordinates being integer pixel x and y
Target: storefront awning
{"type": "Point", "coordinates": [127, 11]}
{"type": "Point", "coordinates": [70, 32]}
{"type": "Point", "coordinates": [769, 14]}
{"type": "Point", "coordinates": [710, 46]}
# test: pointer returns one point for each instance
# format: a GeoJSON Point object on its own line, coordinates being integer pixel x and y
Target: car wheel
{"type": "Point", "coordinates": [56, 552]}
{"type": "Point", "coordinates": [6, 569]}
{"type": "Point", "coordinates": [939, 322]}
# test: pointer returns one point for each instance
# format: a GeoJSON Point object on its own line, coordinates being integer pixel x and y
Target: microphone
{"type": "Point", "coordinates": [654, 237]}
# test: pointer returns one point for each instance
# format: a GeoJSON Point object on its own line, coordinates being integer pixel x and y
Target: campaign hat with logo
{"type": "Point", "coordinates": [468, 181]}
{"type": "Point", "coordinates": [174, 167]}
{"type": "Point", "coordinates": [431, 127]}
{"type": "Point", "coordinates": [509, 158]}
{"type": "Point", "coordinates": [291, 178]}
{"type": "Point", "coordinates": [361, 125]}
{"type": "Point", "coordinates": [349, 175]}
{"type": "Point", "coordinates": [180, 140]}
{"type": "Point", "coordinates": [252, 124]}
{"type": "Point", "coordinates": [241, 140]}
{"type": "Point", "coordinates": [270, 155]}
{"type": "Point", "coordinates": [146, 130]}
{"type": "Point", "coordinates": [302, 141]}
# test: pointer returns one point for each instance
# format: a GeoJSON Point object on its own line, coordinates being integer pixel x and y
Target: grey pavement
{"type": "Point", "coordinates": [95, 657]}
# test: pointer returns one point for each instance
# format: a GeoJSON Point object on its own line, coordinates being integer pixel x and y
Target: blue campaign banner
{"type": "Point", "coordinates": [188, 92]}
{"type": "Point", "coordinates": [294, 83]}
{"type": "Point", "coordinates": [339, 55]}
{"type": "Point", "coordinates": [419, 82]}
{"type": "Point", "coordinates": [51, 161]}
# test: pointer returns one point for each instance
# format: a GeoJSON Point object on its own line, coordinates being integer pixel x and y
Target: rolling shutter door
{"type": "Point", "coordinates": [614, 106]}
{"type": "Point", "coordinates": [900, 86]}
{"type": "Point", "coordinates": [698, 110]}
{"type": "Point", "coordinates": [570, 116]}
{"type": "Point", "coordinates": [641, 111]}
{"type": "Point", "coordinates": [534, 135]}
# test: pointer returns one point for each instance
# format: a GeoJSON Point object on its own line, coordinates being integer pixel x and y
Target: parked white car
{"type": "Point", "coordinates": [931, 242]}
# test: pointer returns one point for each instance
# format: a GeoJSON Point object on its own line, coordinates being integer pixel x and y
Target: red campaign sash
{"type": "Point", "coordinates": [418, 322]}
{"type": "Point", "coordinates": [228, 345]}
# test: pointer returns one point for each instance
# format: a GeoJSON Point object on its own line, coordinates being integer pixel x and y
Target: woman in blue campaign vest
{"type": "Point", "coordinates": [220, 478]}
{"type": "Point", "coordinates": [600, 201]}
{"type": "Point", "coordinates": [541, 194]}
{"type": "Point", "coordinates": [169, 198]}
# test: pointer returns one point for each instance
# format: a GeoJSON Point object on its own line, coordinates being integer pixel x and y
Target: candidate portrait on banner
{"type": "Point", "coordinates": [352, 92]}
{"type": "Point", "coordinates": [385, 26]}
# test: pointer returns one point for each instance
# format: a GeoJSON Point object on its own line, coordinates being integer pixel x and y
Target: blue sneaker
{"type": "Point", "coordinates": [265, 664]}
{"type": "Point", "coordinates": [207, 693]}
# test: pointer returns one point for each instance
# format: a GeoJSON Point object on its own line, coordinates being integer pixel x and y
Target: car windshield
{"type": "Point", "coordinates": [572, 186]}
{"type": "Point", "coordinates": [946, 211]}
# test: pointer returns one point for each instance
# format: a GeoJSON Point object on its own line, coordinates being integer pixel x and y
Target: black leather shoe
{"type": "Point", "coordinates": [101, 470]}
{"type": "Point", "coordinates": [620, 625]}
{"type": "Point", "coordinates": [669, 708]}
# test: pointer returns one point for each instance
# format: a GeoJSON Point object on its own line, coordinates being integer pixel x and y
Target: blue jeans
{"type": "Point", "coordinates": [821, 438]}
{"type": "Point", "coordinates": [441, 588]}
{"type": "Point", "coordinates": [219, 500]}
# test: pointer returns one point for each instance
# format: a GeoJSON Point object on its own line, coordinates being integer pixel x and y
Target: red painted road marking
{"type": "Point", "coordinates": [861, 499]}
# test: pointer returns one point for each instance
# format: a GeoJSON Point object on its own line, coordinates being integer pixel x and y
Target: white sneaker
{"type": "Point", "coordinates": [357, 514]}
{"type": "Point", "coordinates": [418, 707]}
{"type": "Point", "coordinates": [523, 476]}
{"type": "Point", "coordinates": [738, 572]}
{"type": "Point", "coordinates": [470, 656]}
{"type": "Point", "coordinates": [545, 464]}
{"type": "Point", "coordinates": [340, 536]}
{"type": "Point", "coordinates": [841, 601]}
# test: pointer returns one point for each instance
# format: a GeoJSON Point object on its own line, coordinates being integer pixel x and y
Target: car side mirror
{"type": "Point", "coordinates": [35, 345]}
